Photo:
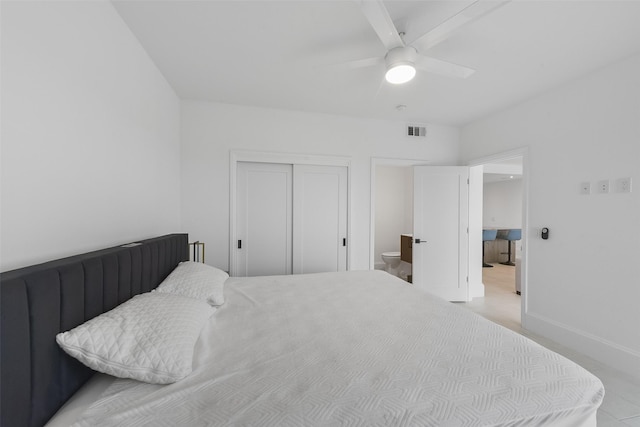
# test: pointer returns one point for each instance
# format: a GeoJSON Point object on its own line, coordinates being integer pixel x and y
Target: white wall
{"type": "Point", "coordinates": [583, 282]}
{"type": "Point", "coordinates": [210, 131]}
{"type": "Point", "coordinates": [90, 134]}
{"type": "Point", "coordinates": [394, 208]}
{"type": "Point", "coordinates": [502, 207]}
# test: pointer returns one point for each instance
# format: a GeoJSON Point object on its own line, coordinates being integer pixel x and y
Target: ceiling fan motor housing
{"type": "Point", "coordinates": [400, 64]}
{"type": "Point", "coordinates": [402, 55]}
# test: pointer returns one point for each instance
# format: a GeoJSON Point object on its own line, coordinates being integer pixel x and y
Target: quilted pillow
{"type": "Point", "coordinates": [149, 338]}
{"type": "Point", "coordinates": [196, 280]}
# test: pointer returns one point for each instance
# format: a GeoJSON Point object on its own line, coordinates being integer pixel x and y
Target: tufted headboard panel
{"type": "Point", "coordinates": [39, 301]}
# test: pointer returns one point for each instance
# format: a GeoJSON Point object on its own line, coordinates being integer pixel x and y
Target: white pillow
{"type": "Point", "coordinates": [196, 280]}
{"type": "Point", "coordinates": [150, 338]}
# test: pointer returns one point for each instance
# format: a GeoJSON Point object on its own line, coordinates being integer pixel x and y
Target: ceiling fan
{"type": "Point", "coordinates": [403, 59]}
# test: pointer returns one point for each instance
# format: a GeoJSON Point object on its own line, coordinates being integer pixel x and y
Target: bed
{"type": "Point", "coordinates": [39, 301]}
{"type": "Point", "coordinates": [352, 348]}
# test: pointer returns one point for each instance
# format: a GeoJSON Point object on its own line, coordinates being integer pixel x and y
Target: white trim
{"type": "Point", "coordinates": [506, 155]}
{"type": "Point", "coordinates": [236, 156]}
{"type": "Point", "coordinates": [386, 161]}
{"type": "Point", "coordinates": [498, 157]}
{"type": "Point", "coordinates": [476, 201]}
{"type": "Point", "coordinates": [289, 158]}
{"type": "Point", "coordinates": [609, 353]}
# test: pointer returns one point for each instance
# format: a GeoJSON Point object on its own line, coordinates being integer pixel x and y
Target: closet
{"type": "Point", "coordinates": [290, 218]}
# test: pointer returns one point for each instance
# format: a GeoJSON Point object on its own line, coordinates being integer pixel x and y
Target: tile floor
{"type": "Point", "coordinates": [621, 405]}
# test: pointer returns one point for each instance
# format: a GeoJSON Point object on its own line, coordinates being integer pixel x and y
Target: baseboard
{"type": "Point", "coordinates": [609, 353]}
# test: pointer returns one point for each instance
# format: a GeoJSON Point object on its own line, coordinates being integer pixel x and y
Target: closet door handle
{"type": "Point", "coordinates": [344, 241]}
{"type": "Point", "coordinates": [418, 241]}
{"type": "Point", "coordinates": [239, 244]}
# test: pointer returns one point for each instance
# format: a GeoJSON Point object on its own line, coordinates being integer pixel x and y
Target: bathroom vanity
{"type": "Point", "coordinates": [406, 251]}
{"type": "Point", "coordinates": [406, 245]}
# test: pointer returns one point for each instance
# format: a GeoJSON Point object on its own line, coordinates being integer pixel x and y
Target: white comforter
{"type": "Point", "coordinates": [355, 349]}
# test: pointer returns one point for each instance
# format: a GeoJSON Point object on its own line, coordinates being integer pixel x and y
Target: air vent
{"type": "Point", "coordinates": [416, 131]}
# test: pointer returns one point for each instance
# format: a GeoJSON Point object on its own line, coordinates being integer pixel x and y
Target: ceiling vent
{"type": "Point", "coordinates": [416, 131]}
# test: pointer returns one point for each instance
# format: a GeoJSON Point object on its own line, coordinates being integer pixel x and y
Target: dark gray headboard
{"type": "Point", "coordinates": [39, 301]}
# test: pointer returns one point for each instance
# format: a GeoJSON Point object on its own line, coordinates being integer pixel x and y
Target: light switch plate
{"type": "Point", "coordinates": [585, 188]}
{"type": "Point", "coordinates": [623, 185]}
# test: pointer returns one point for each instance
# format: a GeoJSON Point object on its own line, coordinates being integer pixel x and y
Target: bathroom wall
{"type": "Point", "coordinates": [393, 208]}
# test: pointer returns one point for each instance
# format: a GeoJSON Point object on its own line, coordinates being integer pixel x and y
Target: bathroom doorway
{"type": "Point", "coordinates": [394, 214]}
{"type": "Point", "coordinates": [391, 209]}
{"type": "Point", "coordinates": [475, 249]}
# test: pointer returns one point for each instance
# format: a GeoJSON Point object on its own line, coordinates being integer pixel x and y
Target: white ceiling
{"type": "Point", "coordinates": [291, 54]}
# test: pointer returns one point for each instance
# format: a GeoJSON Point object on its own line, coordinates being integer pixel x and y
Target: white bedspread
{"type": "Point", "coordinates": [355, 349]}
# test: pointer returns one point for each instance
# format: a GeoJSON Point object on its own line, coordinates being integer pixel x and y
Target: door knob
{"type": "Point", "coordinates": [417, 241]}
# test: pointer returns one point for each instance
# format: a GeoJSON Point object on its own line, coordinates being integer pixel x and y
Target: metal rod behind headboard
{"type": "Point", "coordinates": [197, 251]}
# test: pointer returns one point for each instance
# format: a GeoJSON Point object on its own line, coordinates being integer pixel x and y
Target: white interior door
{"type": "Point", "coordinates": [319, 218]}
{"type": "Point", "coordinates": [263, 219]}
{"type": "Point", "coordinates": [440, 231]}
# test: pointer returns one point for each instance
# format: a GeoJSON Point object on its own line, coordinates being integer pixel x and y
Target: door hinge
{"type": "Point", "coordinates": [467, 279]}
{"type": "Point", "coordinates": [467, 181]}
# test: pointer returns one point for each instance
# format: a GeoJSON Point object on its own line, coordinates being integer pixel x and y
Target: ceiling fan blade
{"type": "Point", "coordinates": [358, 63]}
{"type": "Point", "coordinates": [443, 68]}
{"type": "Point", "coordinates": [379, 18]}
{"type": "Point", "coordinates": [474, 11]}
{"type": "Point", "coordinates": [361, 63]}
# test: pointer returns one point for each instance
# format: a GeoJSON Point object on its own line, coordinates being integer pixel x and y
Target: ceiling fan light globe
{"type": "Point", "coordinates": [400, 73]}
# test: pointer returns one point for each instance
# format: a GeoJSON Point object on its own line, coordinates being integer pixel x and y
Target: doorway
{"type": "Point", "coordinates": [438, 258]}
{"type": "Point", "coordinates": [475, 220]}
{"type": "Point", "coordinates": [391, 208]}
{"type": "Point", "coordinates": [504, 207]}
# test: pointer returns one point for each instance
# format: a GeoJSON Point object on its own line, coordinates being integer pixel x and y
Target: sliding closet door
{"type": "Point", "coordinates": [263, 219]}
{"type": "Point", "coordinates": [319, 218]}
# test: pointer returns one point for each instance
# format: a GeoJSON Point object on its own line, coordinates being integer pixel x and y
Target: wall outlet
{"type": "Point", "coordinates": [623, 185]}
{"type": "Point", "coordinates": [585, 188]}
{"type": "Point", "coordinates": [603, 186]}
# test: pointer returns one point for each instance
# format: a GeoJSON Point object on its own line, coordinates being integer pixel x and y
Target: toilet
{"type": "Point", "coordinates": [391, 261]}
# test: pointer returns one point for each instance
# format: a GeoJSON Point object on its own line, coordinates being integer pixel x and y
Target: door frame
{"type": "Point", "coordinates": [383, 161]}
{"type": "Point", "coordinates": [507, 155]}
{"type": "Point", "coordinates": [236, 156]}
